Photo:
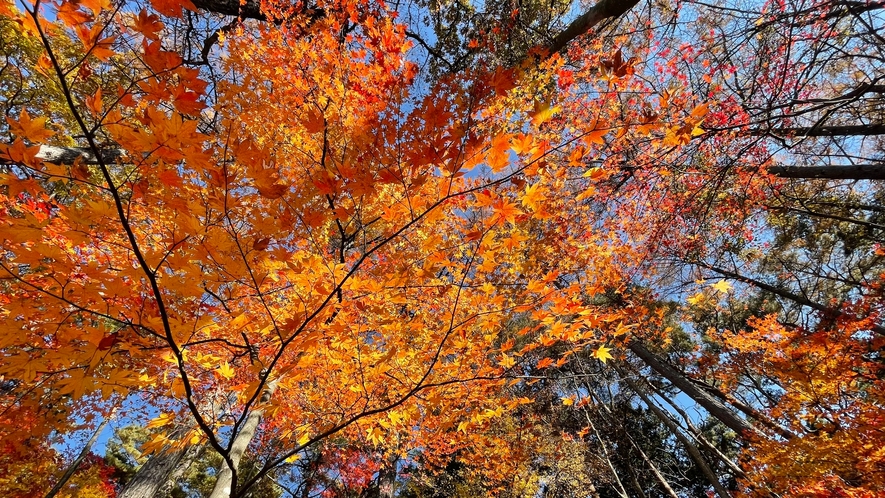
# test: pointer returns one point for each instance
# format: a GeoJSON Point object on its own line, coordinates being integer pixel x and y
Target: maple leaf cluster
{"type": "Point", "coordinates": [306, 249]}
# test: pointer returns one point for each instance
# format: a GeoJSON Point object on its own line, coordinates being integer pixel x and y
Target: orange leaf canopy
{"type": "Point", "coordinates": [327, 246]}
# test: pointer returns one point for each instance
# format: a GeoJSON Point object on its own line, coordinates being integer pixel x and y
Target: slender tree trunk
{"type": "Point", "coordinates": [777, 291]}
{"type": "Point", "coordinates": [654, 469]}
{"type": "Point", "coordinates": [68, 155]}
{"type": "Point", "coordinates": [825, 131]}
{"type": "Point", "coordinates": [829, 216]}
{"type": "Point", "coordinates": [697, 434]}
{"type": "Point", "coordinates": [72, 468]}
{"type": "Point", "coordinates": [715, 407]}
{"type": "Point", "coordinates": [387, 477]}
{"type": "Point", "coordinates": [692, 450]}
{"type": "Point", "coordinates": [622, 492]}
{"type": "Point", "coordinates": [837, 172]}
{"type": "Point", "coordinates": [636, 485]}
{"type": "Point", "coordinates": [157, 472]}
{"type": "Point", "coordinates": [247, 9]}
{"type": "Point", "coordinates": [602, 10]}
{"type": "Point", "coordinates": [225, 484]}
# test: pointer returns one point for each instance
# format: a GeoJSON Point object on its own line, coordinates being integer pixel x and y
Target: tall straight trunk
{"type": "Point", "coordinates": [654, 469]}
{"type": "Point", "coordinates": [696, 433]}
{"type": "Point", "coordinates": [160, 472]}
{"type": "Point", "coordinates": [387, 477]}
{"type": "Point", "coordinates": [863, 130]}
{"type": "Point", "coordinates": [804, 301]}
{"type": "Point", "coordinates": [692, 450]}
{"type": "Point", "coordinates": [83, 453]}
{"type": "Point", "coordinates": [714, 406]}
{"type": "Point", "coordinates": [70, 155]}
{"type": "Point", "coordinates": [224, 485]}
{"type": "Point", "coordinates": [156, 473]}
{"type": "Point", "coordinates": [602, 10]}
{"type": "Point", "coordinates": [834, 172]}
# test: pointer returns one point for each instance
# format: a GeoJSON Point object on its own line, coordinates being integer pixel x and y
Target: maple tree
{"type": "Point", "coordinates": [214, 268]}
{"type": "Point", "coordinates": [268, 232]}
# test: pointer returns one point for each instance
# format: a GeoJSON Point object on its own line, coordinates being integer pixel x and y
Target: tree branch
{"type": "Point", "coordinates": [605, 9]}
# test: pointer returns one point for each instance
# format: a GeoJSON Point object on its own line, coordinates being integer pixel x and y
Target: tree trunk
{"type": "Point", "coordinates": [715, 407]}
{"type": "Point", "coordinates": [824, 131]}
{"type": "Point", "coordinates": [248, 9]}
{"type": "Point", "coordinates": [387, 477]}
{"type": "Point", "coordinates": [68, 155]}
{"type": "Point", "coordinates": [602, 10]}
{"type": "Point", "coordinates": [832, 312]}
{"type": "Point", "coordinates": [692, 450]}
{"type": "Point", "coordinates": [83, 453]}
{"type": "Point", "coordinates": [161, 470]}
{"type": "Point", "coordinates": [837, 172]}
{"type": "Point", "coordinates": [224, 486]}
{"type": "Point", "coordinates": [654, 469]}
{"type": "Point", "coordinates": [155, 474]}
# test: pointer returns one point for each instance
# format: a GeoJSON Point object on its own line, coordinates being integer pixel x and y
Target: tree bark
{"type": "Point", "coordinates": [715, 407]}
{"type": "Point", "coordinates": [68, 155]}
{"type": "Point", "coordinates": [161, 470]}
{"type": "Point", "coordinates": [824, 131]}
{"type": "Point", "coordinates": [154, 474]}
{"type": "Point", "coordinates": [654, 469]}
{"type": "Point", "coordinates": [692, 450]}
{"type": "Point", "coordinates": [224, 486]}
{"type": "Point", "coordinates": [838, 172]}
{"type": "Point", "coordinates": [602, 10]}
{"type": "Point", "coordinates": [250, 9]}
{"type": "Point", "coordinates": [387, 477]}
{"type": "Point", "coordinates": [83, 453]}
{"type": "Point", "coordinates": [697, 434]}
{"type": "Point", "coordinates": [832, 312]}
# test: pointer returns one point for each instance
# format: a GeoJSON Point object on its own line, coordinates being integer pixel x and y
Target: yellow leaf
{"type": "Point", "coordinates": [696, 299]}
{"type": "Point", "coordinates": [507, 361]}
{"type": "Point", "coordinates": [569, 401]}
{"type": "Point", "coordinates": [160, 421]}
{"type": "Point", "coordinates": [226, 371]}
{"type": "Point", "coordinates": [375, 435]}
{"type": "Point", "coordinates": [602, 354]}
{"type": "Point", "coordinates": [303, 439]}
{"type": "Point", "coordinates": [543, 113]}
{"type": "Point", "coordinates": [594, 173]}
{"type": "Point", "coordinates": [534, 195]}
{"type": "Point", "coordinates": [722, 286]}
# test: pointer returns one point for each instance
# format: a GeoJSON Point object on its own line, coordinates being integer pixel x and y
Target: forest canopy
{"type": "Point", "coordinates": [357, 248]}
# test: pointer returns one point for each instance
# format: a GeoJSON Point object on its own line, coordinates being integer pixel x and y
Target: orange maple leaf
{"type": "Point", "coordinates": [30, 129]}
{"type": "Point", "coordinates": [172, 8]}
{"type": "Point", "coordinates": [148, 25]}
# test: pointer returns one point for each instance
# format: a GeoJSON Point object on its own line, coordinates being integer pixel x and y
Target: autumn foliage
{"type": "Point", "coordinates": [289, 241]}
